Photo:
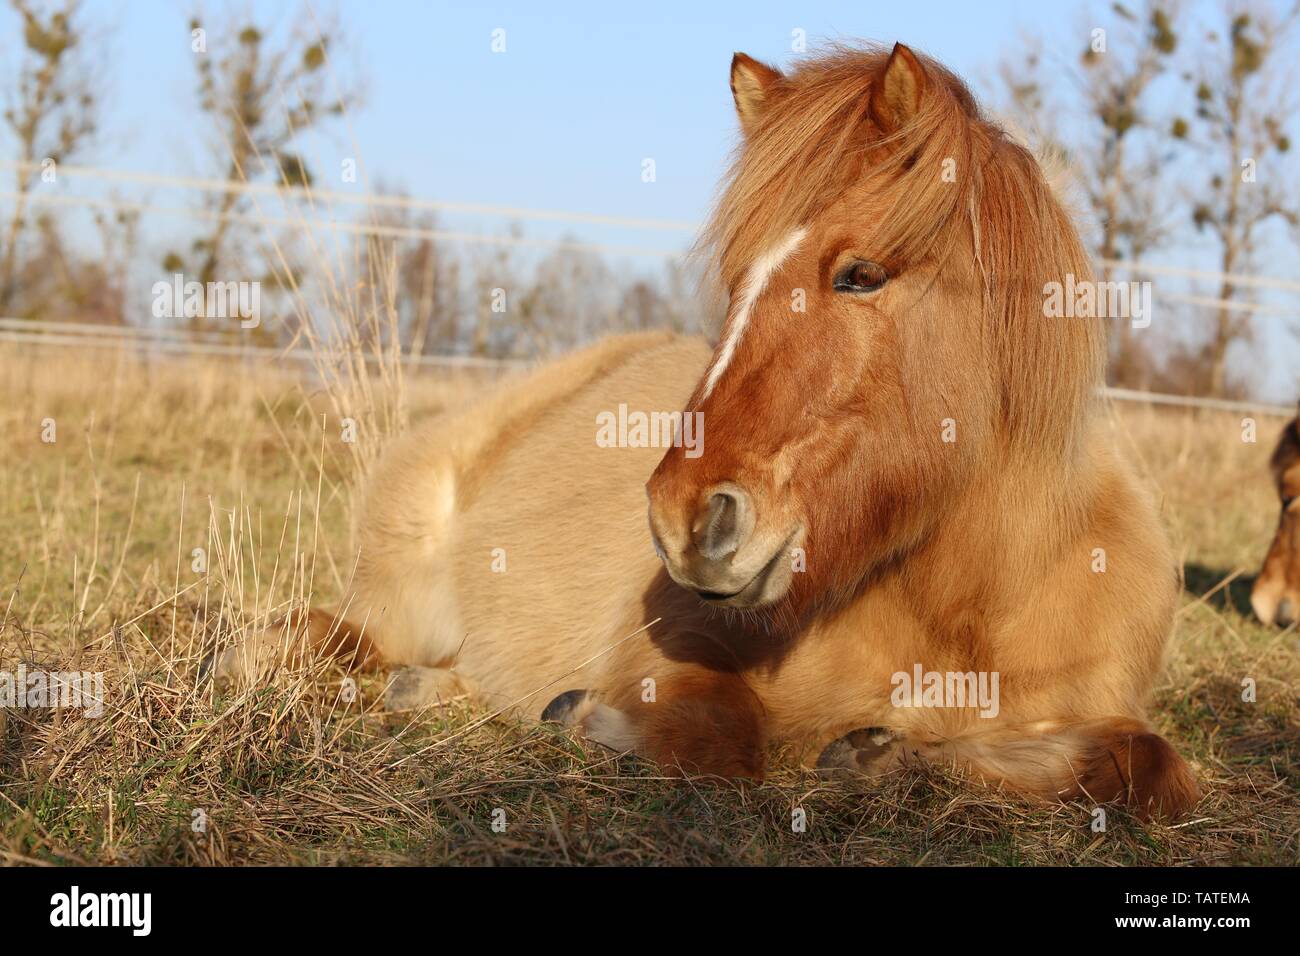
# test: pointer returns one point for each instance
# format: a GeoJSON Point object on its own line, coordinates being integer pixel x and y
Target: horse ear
{"type": "Point", "coordinates": [897, 97]}
{"type": "Point", "coordinates": [751, 84]}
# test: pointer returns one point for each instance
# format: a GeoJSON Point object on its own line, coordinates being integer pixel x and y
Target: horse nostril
{"type": "Point", "coordinates": [717, 530]}
{"type": "Point", "coordinates": [1285, 616]}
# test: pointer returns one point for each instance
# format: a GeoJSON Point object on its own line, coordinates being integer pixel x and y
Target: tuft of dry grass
{"type": "Point", "coordinates": [246, 463]}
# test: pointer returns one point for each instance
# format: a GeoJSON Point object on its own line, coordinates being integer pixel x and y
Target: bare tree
{"type": "Point", "coordinates": [1121, 174]}
{"type": "Point", "coordinates": [52, 113]}
{"type": "Point", "coordinates": [262, 92]}
{"type": "Point", "coordinates": [1242, 107]}
{"type": "Point", "coordinates": [428, 295]}
{"type": "Point", "coordinates": [1119, 145]}
{"type": "Point", "coordinates": [574, 299]}
{"type": "Point", "coordinates": [672, 300]}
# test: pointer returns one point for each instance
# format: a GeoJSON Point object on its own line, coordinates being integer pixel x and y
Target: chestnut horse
{"type": "Point", "coordinates": [903, 473]}
{"type": "Point", "coordinates": [1275, 596]}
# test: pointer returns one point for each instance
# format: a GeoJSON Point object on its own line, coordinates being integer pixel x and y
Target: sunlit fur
{"type": "Point", "coordinates": [974, 555]}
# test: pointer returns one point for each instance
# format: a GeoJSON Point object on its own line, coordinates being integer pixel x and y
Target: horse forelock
{"type": "Point", "coordinates": [816, 139]}
{"type": "Point", "coordinates": [813, 143]}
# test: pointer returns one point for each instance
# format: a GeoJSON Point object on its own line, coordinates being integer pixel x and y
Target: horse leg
{"type": "Point", "coordinates": [417, 688]}
{"type": "Point", "coordinates": [1099, 759]}
{"type": "Point", "coordinates": [698, 722]}
{"type": "Point", "coordinates": [296, 638]}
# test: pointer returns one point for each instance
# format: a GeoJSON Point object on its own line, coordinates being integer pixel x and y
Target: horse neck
{"type": "Point", "coordinates": [1006, 527]}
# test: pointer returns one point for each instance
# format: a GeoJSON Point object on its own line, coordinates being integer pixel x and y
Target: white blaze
{"type": "Point", "coordinates": [753, 286]}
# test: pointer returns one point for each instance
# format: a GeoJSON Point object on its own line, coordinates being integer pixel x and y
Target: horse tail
{"type": "Point", "coordinates": [1100, 760]}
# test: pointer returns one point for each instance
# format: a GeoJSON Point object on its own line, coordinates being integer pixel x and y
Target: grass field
{"type": "Point", "coordinates": [151, 461]}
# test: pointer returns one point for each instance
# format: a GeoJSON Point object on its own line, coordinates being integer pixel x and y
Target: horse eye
{"type": "Point", "coordinates": [861, 276]}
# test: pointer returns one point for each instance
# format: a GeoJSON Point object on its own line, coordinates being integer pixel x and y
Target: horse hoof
{"type": "Point", "coordinates": [562, 709]}
{"type": "Point", "coordinates": [863, 751]}
{"type": "Point", "coordinates": [419, 688]}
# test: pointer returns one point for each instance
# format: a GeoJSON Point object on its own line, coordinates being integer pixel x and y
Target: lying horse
{"type": "Point", "coordinates": [901, 471]}
{"type": "Point", "coordinates": [1275, 596]}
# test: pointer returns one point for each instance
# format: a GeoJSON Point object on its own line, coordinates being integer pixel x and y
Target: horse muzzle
{"type": "Point", "coordinates": [723, 555]}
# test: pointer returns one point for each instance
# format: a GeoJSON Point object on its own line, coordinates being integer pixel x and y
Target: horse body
{"type": "Point", "coordinates": [1006, 587]}
{"type": "Point", "coordinates": [531, 570]}
{"type": "Point", "coordinates": [903, 470]}
{"type": "Point", "coordinates": [1275, 595]}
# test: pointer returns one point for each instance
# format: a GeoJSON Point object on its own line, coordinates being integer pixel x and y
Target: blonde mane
{"type": "Point", "coordinates": [816, 139]}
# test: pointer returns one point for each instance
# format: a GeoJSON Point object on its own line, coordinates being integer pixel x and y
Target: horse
{"type": "Point", "coordinates": [901, 471]}
{"type": "Point", "coordinates": [1275, 596]}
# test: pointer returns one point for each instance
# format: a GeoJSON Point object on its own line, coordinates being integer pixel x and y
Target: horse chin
{"type": "Point", "coordinates": [769, 587]}
{"type": "Point", "coordinates": [757, 594]}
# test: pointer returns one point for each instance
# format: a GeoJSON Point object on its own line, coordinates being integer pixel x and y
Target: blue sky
{"type": "Point", "coordinates": [564, 118]}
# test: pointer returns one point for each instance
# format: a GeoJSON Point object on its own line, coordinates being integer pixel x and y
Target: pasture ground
{"type": "Point", "coordinates": [152, 461]}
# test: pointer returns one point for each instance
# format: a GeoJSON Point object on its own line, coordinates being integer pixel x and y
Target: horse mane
{"type": "Point", "coordinates": [1286, 453]}
{"type": "Point", "coordinates": [815, 139]}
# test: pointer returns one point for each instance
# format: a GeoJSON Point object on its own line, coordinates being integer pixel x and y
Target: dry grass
{"type": "Point", "coordinates": [151, 462]}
